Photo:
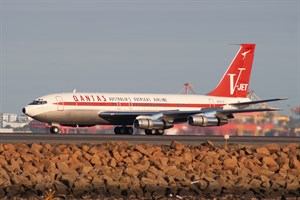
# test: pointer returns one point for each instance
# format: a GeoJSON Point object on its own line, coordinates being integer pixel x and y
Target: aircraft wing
{"type": "Point", "coordinates": [256, 102]}
{"type": "Point", "coordinates": [178, 116]}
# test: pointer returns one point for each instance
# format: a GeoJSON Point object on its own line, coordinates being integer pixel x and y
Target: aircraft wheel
{"type": "Point", "coordinates": [129, 130]}
{"type": "Point", "coordinates": [54, 130]}
{"type": "Point", "coordinates": [117, 130]}
{"type": "Point", "coordinates": [160, 132]}
{"type": "Point", "coordinates": [148, 132]}
{"type": "Point", "coordinates": [123, 130]}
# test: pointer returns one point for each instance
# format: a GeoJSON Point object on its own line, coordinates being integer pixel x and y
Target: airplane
{"type": "Point", "coordinates": [153, 112]}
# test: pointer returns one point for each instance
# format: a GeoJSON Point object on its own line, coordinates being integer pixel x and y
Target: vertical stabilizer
{"type": "Point", "coordinates": [235, 82]}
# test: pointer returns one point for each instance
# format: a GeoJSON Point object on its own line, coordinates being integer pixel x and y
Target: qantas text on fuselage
{"type": "Point", "coordinates": [153, 112]}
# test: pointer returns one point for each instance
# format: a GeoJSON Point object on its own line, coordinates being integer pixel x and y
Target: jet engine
{"type": "Point", "coordinates": [200, 120]}
{"type": "Point", "coordinates": [151, 124]}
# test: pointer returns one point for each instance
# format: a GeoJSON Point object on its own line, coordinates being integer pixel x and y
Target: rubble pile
{"type": "Point", "coordinates": [122, 170]}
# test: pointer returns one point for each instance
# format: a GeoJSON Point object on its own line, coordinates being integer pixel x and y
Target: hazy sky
{"type": "Point", "coordinates": [144, 46]}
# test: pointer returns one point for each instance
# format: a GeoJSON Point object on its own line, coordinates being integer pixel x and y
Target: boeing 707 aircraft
{"type": "Point", "coordinates": [153, 112]}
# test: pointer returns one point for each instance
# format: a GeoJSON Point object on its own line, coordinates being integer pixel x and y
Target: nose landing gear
{"type": "Point", "coordinates": [54, 130]}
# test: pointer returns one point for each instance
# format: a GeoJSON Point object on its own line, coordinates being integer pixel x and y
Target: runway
{"type": "Point", "coordinates": [28, 138]}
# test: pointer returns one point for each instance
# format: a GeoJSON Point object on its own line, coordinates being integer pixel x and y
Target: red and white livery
{"type": "Point", "coordinates": [153, 112]}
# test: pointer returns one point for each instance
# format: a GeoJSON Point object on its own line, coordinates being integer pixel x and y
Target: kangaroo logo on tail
{"type": "Point", "coordinates": [236, 79]}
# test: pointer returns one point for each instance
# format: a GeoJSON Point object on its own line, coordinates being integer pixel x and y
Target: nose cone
{"type": "Point", "coordinates": [24, 110]}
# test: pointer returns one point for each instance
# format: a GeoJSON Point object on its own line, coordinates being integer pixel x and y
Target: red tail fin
{"type": "Point", "coordinates": [235, 81]}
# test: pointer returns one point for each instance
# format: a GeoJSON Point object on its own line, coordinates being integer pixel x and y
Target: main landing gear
{"type": "Point", "coordinates": [154, 131]}
{"type": "Point", "coordinates": [54, 129]}
{"type": "Point", "coordinates": [124, 130]}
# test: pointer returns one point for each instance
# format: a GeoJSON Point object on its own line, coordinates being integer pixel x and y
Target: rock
{"type": "Point", "coordinates": [285, 149]}
{"type": "Point", "coordinates": [214, 187]}
{"type": "Point", "coordinates": [112, 163]}
{"type": "Point", "coordinates": [208, 160]}
{"type": "Point", "coordinates": [293, 146]}
{"type": "Point", "coordinates": [2, 192]}
{"type": "Point", "coordinates": [293, 186]}
{"type": "Point", "coordinates": [187, 157]}
{"type": "Point", "coordinates": [15, 165]}
{"type": "Point", "coordinates": [97, 182]}
{"type": "Point", "coordinates": [135, 156]}
{"type": "Point", "coordinates": [8, 147]}
{"type": "Point", "coordinates": [128, 161]}
{"type": "Point", "coordinates": [294, 163]}
{"type": "Point", "coordinates": [146, 182]}
{"type": "Point", "coordinates": [230, 163]}
{"type": "Point", "coordinates": [63, 167]}
{"type": "Point", "coordinates": [68, 180]}
{"type": "Point", "coordinates": [95, 160]}
{"type": "Point", "coordinates": [255, 184]}
{"type": "Point", "coordinates": [177, 174]}
{"type": "Point", "coordinates": [278, 181]}
{"type": "Point", "coordinates": [143, 166]}
{"type": "Point", "coordinates": [60, 188]}
{"type": "Point", "coordinates": [140, 149]}
{"type": "Point", "coordinates": [13, 190]}
{"type": "Point", "coordinates": [94, 150]}
{"type": "Point", "coordinates": [64, 157]}
{"type": "Point", "coordinates": [209, 143]}
{"type": "Point", "coordinates": [85, 148]}
{"type": "Point", "coordinates": [285, 167]}
{"type": "Point", "coordinates": [248, 150]}
{"type": "Point", "coordinates": [273, 148]}
{"type": "Point", "coordinates": [87, 156]}
{"type": "Point", "coordinates": [1, 148]}
{"type": "Point", "coordinates": [81, 185]}
{"type": "Point", "coordinates": [117, 156]}
{"type": "Point", "coordinates": [266, 184]}
{"type": "Point", "coordinates": [263, 150]}
{"type": "Point", "coordinates": [264, 178]}
{"type": "Point", "coordinates": [36, 147]}
{"type": "Point", "coordinates": [176, 145]}
{"type": "Point", "coordinates": [249, 195]}
{"type": "Point", "coordinates": [202, 184]}
{"type": "Point", "coordinates": [26, 157]}
{"type": "Point", "coordinates": [272, 164]}
{"type": "Point", "coordinates": [131, 172]}
{"type": "Point", "coordinates": [86, 169]}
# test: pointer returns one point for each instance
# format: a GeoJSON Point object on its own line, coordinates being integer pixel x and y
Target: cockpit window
{"type": "Point", "coordinates": [38, 102]}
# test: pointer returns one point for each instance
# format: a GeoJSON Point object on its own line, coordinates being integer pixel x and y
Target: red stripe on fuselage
{"type": "Point", "coordinates": [133, 104]}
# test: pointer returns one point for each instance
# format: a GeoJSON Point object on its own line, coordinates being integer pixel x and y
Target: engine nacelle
{"type": "Point", "coordinates": [200, 120]}
{"type": "Point", "coordinates": [150, 124]}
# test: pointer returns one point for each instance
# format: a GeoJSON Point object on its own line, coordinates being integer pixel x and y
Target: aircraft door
{"type": "Point", "coordinates": [130, 105]}
{"type": "Point", "coordinates": [60, 103]}
{"type": "Point", "coordinates": [211, 103]}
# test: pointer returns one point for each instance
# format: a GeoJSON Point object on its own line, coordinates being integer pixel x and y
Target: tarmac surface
{"type": "Point", "coordinates": [28, 138]}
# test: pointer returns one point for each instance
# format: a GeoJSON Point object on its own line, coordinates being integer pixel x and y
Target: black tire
{"type": "Point", "coordinates": [117, 130]}
{"type": "Point", "coordinates": [54, 130]}
{"type": "Point", "coordinates": [129, 130]}
{"type": "Point", "coordinates": [160, 132]}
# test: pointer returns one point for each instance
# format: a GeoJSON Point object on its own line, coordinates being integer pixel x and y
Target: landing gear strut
{"type": "Point", "coordinates": [124, 130]}
{"type": "Point", "coordinates": [54, 129]}
{"type": "Point", "coordinates": [154, 131]}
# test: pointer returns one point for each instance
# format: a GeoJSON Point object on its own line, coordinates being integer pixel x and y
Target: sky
{"type": "Point", "coordinates": [144, 47]}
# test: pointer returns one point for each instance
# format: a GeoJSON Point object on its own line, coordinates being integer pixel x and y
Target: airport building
{"type": "Point", "coordinates": [10, 121]}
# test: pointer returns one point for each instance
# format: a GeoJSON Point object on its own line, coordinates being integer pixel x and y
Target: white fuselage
{"type": "Point", "coordinates": [84, 108]}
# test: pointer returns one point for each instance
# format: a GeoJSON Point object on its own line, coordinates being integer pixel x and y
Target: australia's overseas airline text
{"type": "Point", "coordinates": [100, 98]}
